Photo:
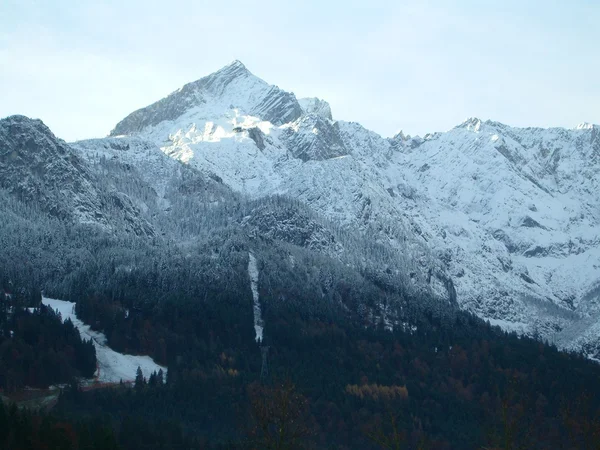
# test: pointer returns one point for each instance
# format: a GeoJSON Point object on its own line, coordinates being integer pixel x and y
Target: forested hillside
{"type": "Point", "coordinates": [441, 384]}
{"type": "Point", "coordinates": [36, 348]}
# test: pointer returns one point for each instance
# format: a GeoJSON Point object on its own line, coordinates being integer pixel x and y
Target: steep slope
{"type": "Point", "coordinates": [231, 88]}
{"type": "Point", "coordinates": [213, 257]}
{"type": "Point", "coordinates": [112, 367]}
{"type": "Point", "coordinates": [188, 205]}
{"type": "Point", "coordinates": [504, 219]}
{"type": "Point", "coordinates": [166, 192]}
{"type": "Point", "coordinates": [519, 209]}
{"type": "Point", "coordinates": [533, 191]}
{"type": "Point", "coordinates": [297, 154]}
{"type": "Point", "coordinates": [45, 173]}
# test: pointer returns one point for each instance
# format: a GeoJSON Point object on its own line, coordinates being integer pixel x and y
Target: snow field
{"type": "Point", "coordinates": [253, 273]}
{"type": "Point", "coordinates": [112, 366]}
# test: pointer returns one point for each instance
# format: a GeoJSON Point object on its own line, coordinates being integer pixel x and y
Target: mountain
{"type": "Point", "coordinates": [118, 215]}
{"type": "Point", "coordinates": [44, 171]}
{"type": "Point", "coordinates": [238, 237]}
{"type": "Point", "coordinates": [212, 95]}
{"type": "Point", "coordinates": [504, 220]}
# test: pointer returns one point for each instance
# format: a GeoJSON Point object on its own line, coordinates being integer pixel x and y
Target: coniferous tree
{"type": "Point", "coordinates": [140, 381]}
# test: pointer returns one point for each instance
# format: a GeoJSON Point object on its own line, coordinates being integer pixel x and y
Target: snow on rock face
{"type": "Point", "coordinates": [39, 167]}
{"type": "Point", "coordinates": [585, 126]}
{"type": "Point", "coordinates": [316, 106]}
{"type": "Point", "coordinates": [112, 366]}
{"type": "Point", "coordinates": [313, 138]}
{"type": "Point", "coordinates": [43, 170]}
{"type": "Point", "coordinates": [159, 180]}
{"type": "Point", "coordinates": [294, 226]}
{"type": "Point", "coordinates": [506, 219]}
{"type": "Point", "coordinates": [527, 198]}
{"type": "Point", "coordinates": [258, 320]}
{"type": "Point", "coordinates": [231, 88]}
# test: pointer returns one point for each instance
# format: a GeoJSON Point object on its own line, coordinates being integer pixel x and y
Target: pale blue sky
{"type": "Point", "coordinates": [420, 66]}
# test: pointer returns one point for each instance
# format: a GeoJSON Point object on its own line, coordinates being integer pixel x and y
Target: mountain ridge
{"type": "Point", "coordinates": [507, 213]}
{"type": "Point", "coordinates": [254, 96]}
{"type": "Point", "coordinates": [42, 169]}
{"type": "Point", "coordinates": [501, 220]}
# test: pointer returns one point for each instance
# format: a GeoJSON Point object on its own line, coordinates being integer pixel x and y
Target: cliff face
{"type": "Point", "coordinates": [46, 173]}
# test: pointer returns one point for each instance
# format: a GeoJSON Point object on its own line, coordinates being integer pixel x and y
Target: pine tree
{"type": "Point", "coordinates": [139, 378]}
{"type": "Point", "coordinates": [4, 426]}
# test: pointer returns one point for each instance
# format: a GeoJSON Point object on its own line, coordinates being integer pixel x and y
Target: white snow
{"type": "Point", "coordinates": [584, 126]}
{"type": "Point", "coordinates": [315, 106]}
{"type": "Point", "coordinates": [112, 366]}
{"type": "Point", "coordinates": [458, 189]}
{"type": "Point", "coordinates": [253, 274]}
{"type": "Point", "coordinates": [517, 327]}
{"type": "Point", "coordinates": [465, 202]}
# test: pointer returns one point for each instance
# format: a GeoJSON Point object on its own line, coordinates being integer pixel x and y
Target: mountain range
{"type": "Point", "coordinates": [500, 221]}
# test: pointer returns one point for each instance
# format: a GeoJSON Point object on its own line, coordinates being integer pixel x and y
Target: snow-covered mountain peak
{"type": "Point", "coordinates": [471, 124]}
{"type": "Point", "coordinates": [504, 219]}
{"type": "Point", "coordinates": [586, 126]}
{"type": "Point", "coordinates": [234, 66]}
{"type": "Point", "coordinates": [230, 91]}
{"type": "Point", "coordinates": [19, 126]}
{"type": "Point", "coordinates": [316, 106]}
{"type": "Point", "coordinates": [314, 137]}
{"type": "Point", "coordinates": [20, 119]}
{"type": "Point", "coordinates": [400, 136]}
{"type": "Point", "coordinates": [218, 83]}
{"type": "Point", "coordinates": [26, 142]}
{"type": "Point", "coordinates": [46, 173]}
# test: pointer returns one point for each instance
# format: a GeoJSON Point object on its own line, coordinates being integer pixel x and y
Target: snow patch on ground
{"type": "Point", "coordinates": [112, 366]}
{"type": "Point", "coordinates": [258, 320]}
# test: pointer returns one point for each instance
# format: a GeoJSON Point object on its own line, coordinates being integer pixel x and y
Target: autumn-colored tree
{"type": "Point", "coordinates": [392, 437]}
{"type": "Point", "coordinates": [513, 433]}
{"type": "Point", "coordinates": [377, 392]}
{"type": "Point", "coordinates": [279, 415]}
{"type": "Point", "coordinates": [394, 440]}
{"type": "Point", "coordinates": [582, 423]}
